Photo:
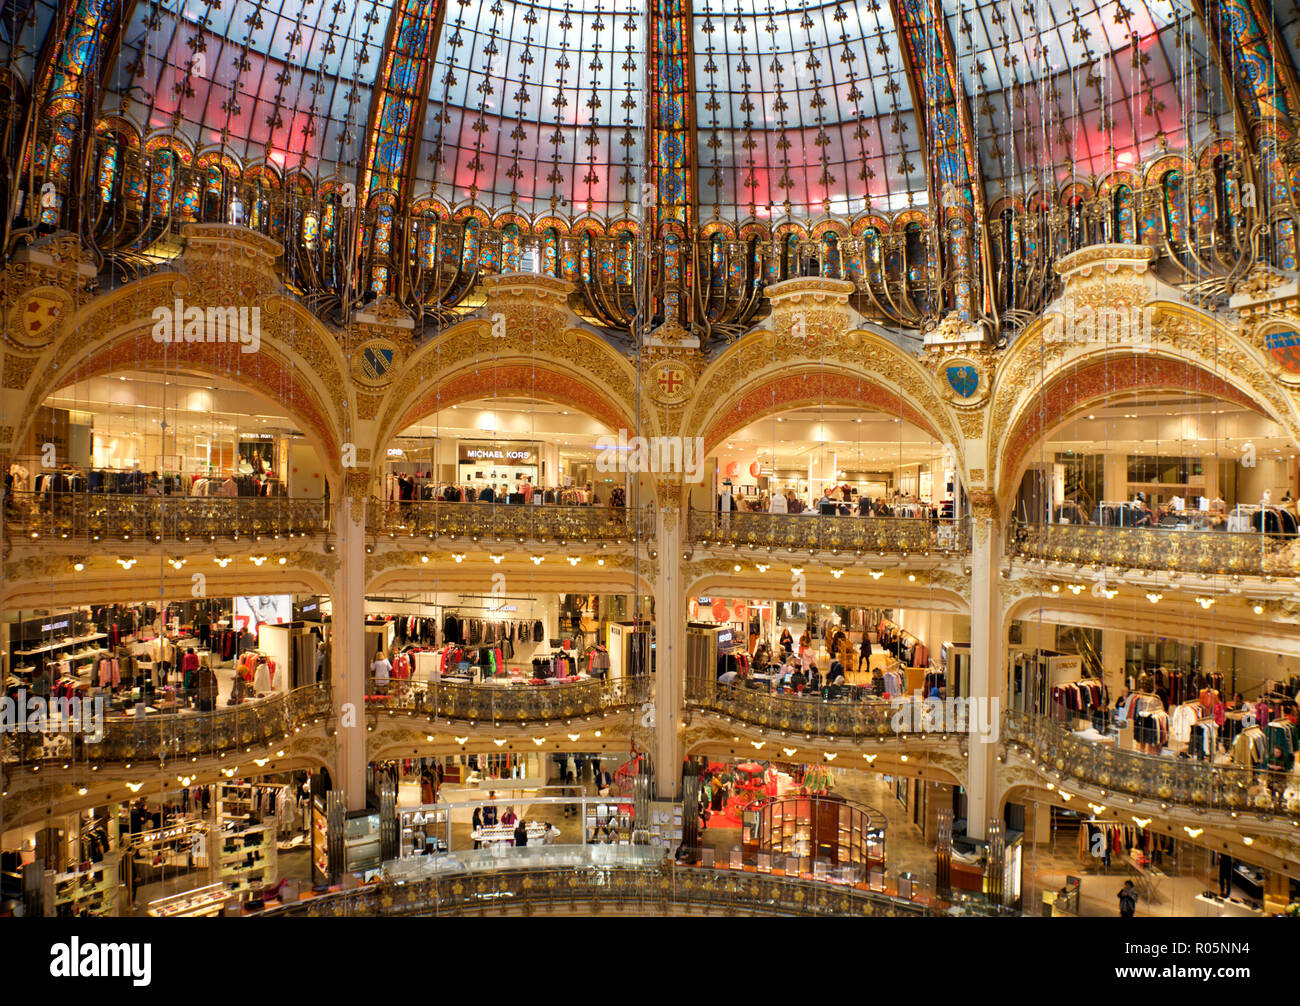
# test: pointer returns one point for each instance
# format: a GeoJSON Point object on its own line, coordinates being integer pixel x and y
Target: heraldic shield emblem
{"type": "Point", "coordinates": [964, 380]}
{"type": "Point", "coordinates": [1284, 347]}
{"type": "Point", "coordinates": [34, 318]}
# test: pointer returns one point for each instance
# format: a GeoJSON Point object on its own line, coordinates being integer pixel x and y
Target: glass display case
{"type": "Point", "coordinates": [609, 823]}
{"type": "Point", "coordinates": [422, 830]}
{"type": "Point", "coordinates": [247, 860]}
{"type": "Point", "coordinates": [208, 900]}
{"type": "Point", "coordinates": [826, 838]}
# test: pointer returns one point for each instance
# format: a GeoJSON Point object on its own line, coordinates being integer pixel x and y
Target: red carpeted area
{"type": "Point", "coordinates": [730, 814]}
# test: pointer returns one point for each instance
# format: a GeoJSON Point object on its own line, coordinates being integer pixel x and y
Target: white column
{"type": "Point", "coordinates": [670, 653]}
{"type": "Point", "coordinates": [349, 658]}
{"type": "Point", "coordinates": [987, 658]}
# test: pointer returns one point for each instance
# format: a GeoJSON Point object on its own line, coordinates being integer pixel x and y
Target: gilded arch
{"type": "Point", "coordinates": [541, 358]}
{"type": "Point", "coordinates": [298, 365]}
{"type": "Point", "coordinates": [1040, 382]}
{"type": "Point", "coordinates": [763, 371]}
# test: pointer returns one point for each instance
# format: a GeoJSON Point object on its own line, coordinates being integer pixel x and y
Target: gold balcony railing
{"type": "Point", "coordinates": [900, 536]}
{"type": "Point", "coordinates": [653, 886]}
{"type": "Point", "coordinates": [518, 704]}
{"type": "Point", "coordinates": [508, 520]}
{"type": "Point", "coordinates": [171, 736]}
{"type": "Point", "coordinates": [1249, 553]}
{"type": "Point", "coordinates": [1181, 781]}
{"type": "Point", "coordinates": [832, 713]}
{"type": "Point", "coordinates": [110, 517]}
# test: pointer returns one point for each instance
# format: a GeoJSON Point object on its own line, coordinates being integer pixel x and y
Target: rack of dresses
{"type": "Point", "coordinates": [1121, 514]}
{"type": "Point", "coordinates": [1203, 738]}
{"type": "Point", "coordinates": [1073, 699]}
{"type": "Point", "coordinates": [597, 661]}
{"type": "Point", "coordinates": [1250, 747]}
{"type": "Point", "coordinates": [1150, 721]}
{"type": "Point", "coordinates": [909, 650]}
{"type": "Point", "coordinates": [1282, 737]}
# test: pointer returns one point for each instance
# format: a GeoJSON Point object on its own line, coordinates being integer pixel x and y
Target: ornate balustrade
{"type": "Point", "coordinates": [1158, 548]}
{"type": "Point", "coordinates": [1185, 782]}
{"type": "Point", "coordinates": [655, 887]}
{"type": "Point", "coordinates": [814, 532]}
{"type": "Point", "coordinates": [517, 704]}
{"type": "Point", "coordinates": [106, 516]}
{"type": "Point", "coordinates": [848, 716]}
{"type": "Point", "coordinates": [507, 520]}
{"type": "Point", "coordinates": [177, 736]}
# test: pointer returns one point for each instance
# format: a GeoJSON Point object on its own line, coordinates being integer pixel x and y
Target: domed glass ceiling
{"type": "Point", "coordinates": [802, 108]}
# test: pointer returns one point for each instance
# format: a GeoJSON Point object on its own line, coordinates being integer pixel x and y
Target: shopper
{"type": "Point", "coordinates": [787, 641]}
{"type": "Point", "coordinates": [490, 811]}
{"type": "Point", "coordinates": [1128, 900]}
{"type": "Point", "coordinates": [521, 834]}
{"type": "Point", "coordinates": [320, 661]}
{"type": "Point", "coordinates": [238, 691]}
{"type": "Point", "coordinates": [476, 825]}
{"type": "Point", "coordinates": [509, 817]}
{"type": "Point", "coordinates": [205, 688]}
{"type": "Point", "coordinates": [380, 669]}
{"type": "Point", "coordinates": [1225, 875]}
{"type": "Point", "coordinates": [866, 650]}
{"type": "Point", "coordinates": [189, 664]}
{"type": "Point", "coordinates": [603, 780]}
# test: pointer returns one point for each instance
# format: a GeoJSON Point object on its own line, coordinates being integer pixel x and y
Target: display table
{"type": "Point", "coordinates": [202, 901]}
{"type": "Point", "coordinates": [505, 833]}
{"type": "Point", "coordinates": [967, 876]}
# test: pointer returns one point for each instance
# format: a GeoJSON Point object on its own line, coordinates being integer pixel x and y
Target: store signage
{"type": "Point", "coordinates": [257, 436]}
{"type": "Point", "coordinates": [395, 452]}
{"type": "Point", "coordinates": [725, 638]}
{"type": "Point", "coordinates": [472, 452]}
{"type": "Point", "coordinates": [62, 623]}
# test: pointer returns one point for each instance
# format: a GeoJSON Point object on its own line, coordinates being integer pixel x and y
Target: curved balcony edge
{"type": "Point", "coordinates": [506, 704]}
{"type": "Point", "coordinates": [653, 888]}
{"type": "Point", "coordinates": [847, 534]}
{"type": "Point", "coordinates": [179, 736]}
{"type": "Point", "coordinates": [1186, 783]}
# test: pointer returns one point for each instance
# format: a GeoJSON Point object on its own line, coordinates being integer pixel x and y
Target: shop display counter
{"type": "Point", "coordinates": [209, 900]}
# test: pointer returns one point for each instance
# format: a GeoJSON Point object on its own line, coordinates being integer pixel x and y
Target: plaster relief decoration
{"type": "Point", "coordinates": [1106, 288]}
{"type": "Point", "coordinates": [954, 332]}
{"type": "Point", "coordinates": [808, 310]}
{"type": "Point", "coordinates": [523, 307]}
